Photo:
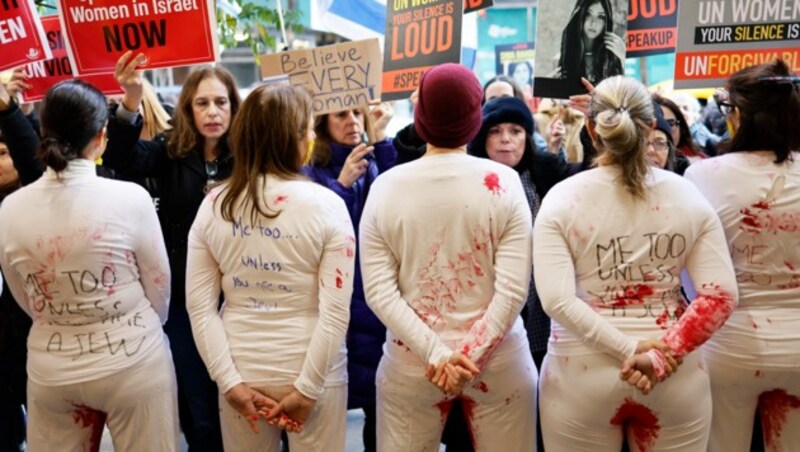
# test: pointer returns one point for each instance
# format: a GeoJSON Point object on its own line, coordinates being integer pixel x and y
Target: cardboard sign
{"type": "Point", "coordinates": [516, 61]}
{"type": "Point", "coordinates": [42, 75]}
{"type": "Point", "coordinates": [168, 32]}
{"type": "Point", "coordinates": [475, 5]}
{"type": "Point", "coordinates": [720, 37]}
{"type": "Point", "coordinates": [341, 76]}
{"type": "Point", "coordinates": [419, 35]}
{"type": "Point", "coordinates": [21, 36]}
{"type": "Point", "coordinates": [652, 27]}
{"type": "Point", "coordinates": [578, 39]}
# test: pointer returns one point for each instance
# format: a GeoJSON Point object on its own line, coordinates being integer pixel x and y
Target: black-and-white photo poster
{"type": "Point", "coordinates": [578, 39]}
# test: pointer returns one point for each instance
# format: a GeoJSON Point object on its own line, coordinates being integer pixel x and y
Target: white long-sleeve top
{"type": "Point", "coordinates": [287, 283]}
{"type": "Point", "coordinates": [758, 203]}
{"type": "Point", "coordinates": [445, 256]}
{"type": "Point", "coordinates": [85, 258]}
{"type": "Point", "coordinates": [607, 266]}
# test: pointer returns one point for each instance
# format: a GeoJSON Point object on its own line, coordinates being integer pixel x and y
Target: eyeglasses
{"type": "Point", "coordinates": [721, 98]}
{"type": "Point", "coordinates": [212, 169]}
{"type": "Point", "coordinates": [659, 145]}
{"type": "Point", "coordinates": [674, 122]}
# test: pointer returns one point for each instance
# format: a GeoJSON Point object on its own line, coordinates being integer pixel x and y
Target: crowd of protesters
{"type": "Point", "coordinates": [612, 272]}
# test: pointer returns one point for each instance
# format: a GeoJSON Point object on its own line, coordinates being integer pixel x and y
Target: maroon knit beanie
{"type": "Point", "coordinates": [448, 112]}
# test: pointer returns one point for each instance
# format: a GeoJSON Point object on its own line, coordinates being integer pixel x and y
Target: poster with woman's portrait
{"type": "Point", "coordinates": [584, 40]}
{"type": "Point", "coordinates": [516, 62]}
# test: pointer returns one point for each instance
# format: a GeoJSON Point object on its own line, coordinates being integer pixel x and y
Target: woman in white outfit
{"type": "Point", "coordinates": [754, 360]}
{"type": "Point", "coordinates": [609, 246]}
{"type": "Point", "coordinates": [280, 248]}
{"type": "Point", "coordinates": [84, 258]}
{"type": "Point", "coordinates": [445, 255]}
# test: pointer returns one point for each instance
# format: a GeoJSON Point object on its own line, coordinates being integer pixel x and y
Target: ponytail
{"type": "Point", "coordinates": [56, 153]}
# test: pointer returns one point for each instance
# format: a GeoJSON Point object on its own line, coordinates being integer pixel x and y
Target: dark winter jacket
{"type": "Point", "coordinates": [366, 334]}
{"type": "Point", "coordinates": [181, 188]}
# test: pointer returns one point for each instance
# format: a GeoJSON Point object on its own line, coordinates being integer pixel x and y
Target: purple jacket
{"type": "Point", "coordinates": [366, 333]}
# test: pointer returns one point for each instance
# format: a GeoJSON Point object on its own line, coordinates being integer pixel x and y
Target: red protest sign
{"type": "Point", "coordinates": [44, 74]}
{"type": "Point", "coordinates": [21, 36]}
{"type": "Point", "coordinates": [168, 32]}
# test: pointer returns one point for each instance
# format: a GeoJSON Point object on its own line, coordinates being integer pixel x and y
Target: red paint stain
{"type": "Point", "coordinates": [444, 409]}
{"type": "Point", "coordinates": [400, 343]}
{"type": "Point", "coordinates": [492, 182]}
{"type": "Point", "coordinates": [632, 295]}
{"type": "Point", "coordinates": [663, 319]}
{"type": "Point", "coordinates": [758, 373]}
{"type": "Point", "coordinates": [87, 417]}
{"type": "Point", "coordinates": [554, 335]}
{"type": "Point", "coordinates": [703, 317]}
{"type": "Point", "coordinates": [481, 386]}
{"type": "Point", "coordinates": [774, 407]}
{"type": "Point", "coordinates": [789, 265]}
{"type": "Point", "coordinates": [759, 218]}
{"type": "Point", "coordinates": [280, 198]}
{"type": "Point", "coordinates": [339, 282]}
{"type": "Point", "coordinates": [640, 421]}
{"type": "Point", "coordinates": [350, 252]}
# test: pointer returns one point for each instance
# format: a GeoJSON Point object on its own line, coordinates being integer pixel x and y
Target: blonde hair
{"type": "Point", "coordinates": [622, 114]}
{"type": "Point", "coordinates": [155, 118]}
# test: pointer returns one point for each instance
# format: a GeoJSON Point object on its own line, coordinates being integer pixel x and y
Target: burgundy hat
{"type": "Point", "coordinates": [448, 112]}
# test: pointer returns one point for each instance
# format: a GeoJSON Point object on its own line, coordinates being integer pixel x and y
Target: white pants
{"type": "Point", "coordinates": [500, 407]}
{"type": "Point", "coordinates": [139, 404]}
{"type": "Point", "coordinates": [584, 406]}
{"type": "Point", "coordinates": [324, 430]}
{"type": "Point", "coordinates": [736, 392]}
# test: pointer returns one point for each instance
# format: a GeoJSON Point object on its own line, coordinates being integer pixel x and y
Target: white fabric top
{"type": "Point", "coordinates": [445, 255]}
{"type": "Point", "coordinates": [607, 266]}
{"type": "Point", "coordinates": [287, 283]}
{"type": "Point", "coordinates": [759, 205]}
{"type": "Point", "coordinates": [85, 258]}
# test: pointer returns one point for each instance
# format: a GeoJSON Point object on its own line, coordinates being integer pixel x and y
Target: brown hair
{"type": "Point", "coordinates": [686, 139]}
{"type": "Point", "coordinates": [185, 138]}
{"type": "Point", "coordinates": [769, 110]}
{"type": "Point", "coordinates": [265, 139]}
{"type": "Point", "coordinates": [322, 144]}
{"type": "Point", "coordinates": [622, 114]}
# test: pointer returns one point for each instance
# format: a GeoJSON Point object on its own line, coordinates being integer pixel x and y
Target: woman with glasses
{"type": "Point", "coordinates": [681, 135]}
{"type": "Point", "coordinates": [755, 188]}
{"type": "Point", "coordinates": [661, 148]}
{"type": "Point", "coordinates": [280, 249]}
{"type": "Point", "coordinates": [183, 161]}
{"type": "Point", "coordinates": [609, 247]}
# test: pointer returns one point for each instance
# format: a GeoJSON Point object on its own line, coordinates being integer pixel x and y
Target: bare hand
{"type": "Point", "coordinates": [451, 376]}
{"type": "Point", "coordinates": [413, 99]}
{"type": "Point", "coordinates": [5, 98]}
{"type": "Point", "coordinates": [581, 102]}
{"type": "Point", "coordinates": [615, 45]}
{"type": "Point", "coordinates": [381, 115]}
{"type": "Point", "coordinates": [17, 84]}
{"type": "Point", "coordinates": [555, 131]}
{"type": "Point", "coordinates": [355, 165]}
{"type": "Point", "coordinates": [248, 402]}
{"type": "Point", "coordinates": [130, 79]}
{"type": "Point", "coordinates": [292, 412]}
{"type": "Point", "coordinates": [638, 371]}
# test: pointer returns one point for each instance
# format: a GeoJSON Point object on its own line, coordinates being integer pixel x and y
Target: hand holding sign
{"type": "Point", "coordinates": [17, 83]}
{"type": "Point", "coordinates": [130, 79]}
{"type": "Point", "coordinates": [581, 102]}
{"type": "Point", "coordinates": [5, 98]}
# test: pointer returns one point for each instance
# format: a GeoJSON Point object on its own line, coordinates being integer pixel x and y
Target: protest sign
{"type": "Point", "coordinates": [168, 32]}
{"type": "Point", "coordinates": [475, 5]}
{"type": "Point", "coordinates": [341, 76]}
{"type": "Point", "coordinates": [719, 37]}
{"type": "Point", "coordinates": [22, 38]}
{"type": "Point", "coordinates": [652, 27]}
{"type": "Point", "coordinates": [516, 61]}
{"type": "Point", "coordinates": [419, 35]}
{"type": "Point", "coordinates": [44, 74]}
{"type": "Point", "coordinates": [578, 39]}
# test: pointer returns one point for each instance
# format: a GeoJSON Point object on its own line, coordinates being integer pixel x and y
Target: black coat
{"type": "Point", "coordinates": [181, 186]}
